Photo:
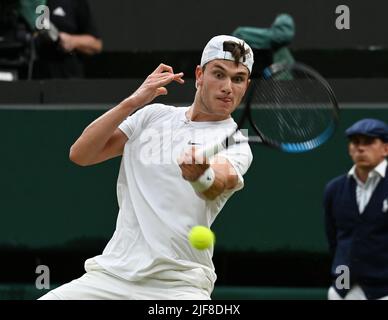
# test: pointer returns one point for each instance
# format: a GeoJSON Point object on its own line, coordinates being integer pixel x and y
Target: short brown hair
{"type": "Point", "coordinates": [237, 50]}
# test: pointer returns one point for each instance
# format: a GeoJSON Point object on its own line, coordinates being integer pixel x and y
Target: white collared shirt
{"type": "Point", "coordinates": [365, 190]}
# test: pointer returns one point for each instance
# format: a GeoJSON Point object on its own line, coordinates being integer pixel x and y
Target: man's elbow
{"type": "Point", "coordinates": [76, 158]}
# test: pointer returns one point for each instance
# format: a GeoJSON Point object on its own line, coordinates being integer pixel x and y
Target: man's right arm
{"type": "Point", "coordinates": [102, 139]}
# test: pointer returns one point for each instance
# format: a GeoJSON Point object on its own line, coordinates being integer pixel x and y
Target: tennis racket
{"type": "Point", "coordinates": [290, 107]}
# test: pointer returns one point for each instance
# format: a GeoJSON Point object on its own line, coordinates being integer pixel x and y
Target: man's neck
{"type": "Point", "coordinates": [362, 173]}
{"type": "Point", "coordinates": [196, 114]}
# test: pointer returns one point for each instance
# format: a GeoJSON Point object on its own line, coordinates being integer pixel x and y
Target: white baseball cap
{"type": "Point", "coordinates": [215, 50]}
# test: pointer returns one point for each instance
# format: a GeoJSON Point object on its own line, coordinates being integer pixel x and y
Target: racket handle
{"type": "Point", "coordinates": [212, 150]}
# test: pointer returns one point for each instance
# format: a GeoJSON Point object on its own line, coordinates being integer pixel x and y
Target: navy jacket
{"type": "Point", "coordinates": [359, 241]}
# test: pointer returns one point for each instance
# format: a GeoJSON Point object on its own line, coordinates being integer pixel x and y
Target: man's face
{"type": "Point", "coordinates": [367, 152]}
{"type": "Point", "coordinates": [221, 86]}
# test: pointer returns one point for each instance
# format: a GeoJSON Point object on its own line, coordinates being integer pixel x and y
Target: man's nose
{"type": "Point", "coordinates": [361, 146]}
{"type": "Point", "coordinates": [227, 86]}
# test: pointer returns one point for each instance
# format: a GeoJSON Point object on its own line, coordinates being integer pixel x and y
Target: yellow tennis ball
{"type": "Point", "coordinates": [201, 237]}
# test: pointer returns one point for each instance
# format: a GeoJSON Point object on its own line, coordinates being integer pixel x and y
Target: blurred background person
{"type": "Point", "coordinates": [15, 42]}
{"type": "Point", "coordinates": [61, 56]}
{"type": "Point", "coordinates": [356, 215]}
{"type": "Point", "coordinates": [26, 52]}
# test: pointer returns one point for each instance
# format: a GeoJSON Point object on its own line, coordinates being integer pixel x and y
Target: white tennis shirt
{"type": "Point", "coordinates": [157, 207]}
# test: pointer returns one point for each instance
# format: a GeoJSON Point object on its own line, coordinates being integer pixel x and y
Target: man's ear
{"type": "Point", "coordinates": [350, 154]}
{"type": "Point", "coordinates": [386, 149]}
{"type": "Point", "coordinates": [248, 83]}
{"type": "Point", "coordinates": [198, 76]}
{"type": "Point", "coordinates": [247, 87]}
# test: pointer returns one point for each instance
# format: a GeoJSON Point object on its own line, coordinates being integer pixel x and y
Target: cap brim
{"type": "Point", "coordinates": [371, 135]}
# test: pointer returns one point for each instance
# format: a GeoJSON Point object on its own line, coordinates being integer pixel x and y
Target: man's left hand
{"type": "Point", "coordinates": [192, 165]}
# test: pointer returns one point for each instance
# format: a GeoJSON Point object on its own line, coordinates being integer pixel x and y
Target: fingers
{"type": "Point", "coordinates": [163, 68]}
{"type": "Point", "coordinates": [178, 78]}
{"type": "Point", "coordinates": [198, 157]}
{"type": "Point", "coordinates": [163, 79]}
{"type": "Point", "coordinates": [193, 157]}
{"type": "Point", "coordinates": [192, 171]}
{"type": "Point", "coordinates": [162, 91]}
{"type": "Point", "coordinates": [155, 84]}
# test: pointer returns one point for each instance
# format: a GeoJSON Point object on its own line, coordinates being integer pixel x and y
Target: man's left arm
{"type": "Point", "coordinates": [83, 43]}
{"type": "Point", "coordinates": [208, 179]}
{"type": "Point", "coordinates": [225, 178]}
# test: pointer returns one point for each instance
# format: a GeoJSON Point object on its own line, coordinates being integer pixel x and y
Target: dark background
{"type": "Point", "coordinates": [139, 35]}
{"type": "Point", "coordinates": [175, 25]}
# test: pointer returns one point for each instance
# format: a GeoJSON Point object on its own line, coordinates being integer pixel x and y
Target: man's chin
{"type": "Point", "coordinates": [223, 109]}
{"type": "Point", "coordinates": [220, 112]}
{"type": "Point", "coordinates": [363, 164]}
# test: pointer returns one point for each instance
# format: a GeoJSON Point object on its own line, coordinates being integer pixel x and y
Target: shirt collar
{"type": "Point", "coordinates": [380, 169]}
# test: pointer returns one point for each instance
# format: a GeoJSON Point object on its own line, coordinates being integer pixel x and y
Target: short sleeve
{"type": "Point", "coordinates": [240, 157]}
{"type": "Point", "coordinates": [142, 118]}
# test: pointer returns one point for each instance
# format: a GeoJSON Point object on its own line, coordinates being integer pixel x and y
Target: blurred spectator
{"type": "Point", "coordinates": [356, 216]}
{"type": "Point", "coordinates": [270, 45]}
{"type": "Point", "coordinates": [15, 41]}
{"type": "Point", "coordinates": [60, 56]}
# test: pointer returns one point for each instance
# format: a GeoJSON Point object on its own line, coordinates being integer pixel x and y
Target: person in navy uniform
{"type": "Point", "coordinates": [356, 216]}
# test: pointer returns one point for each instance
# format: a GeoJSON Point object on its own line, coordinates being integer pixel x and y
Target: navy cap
{"type": "Point", "coordinates": [369, 127]}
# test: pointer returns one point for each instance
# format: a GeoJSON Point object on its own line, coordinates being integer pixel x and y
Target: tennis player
{"type": "Point", "coordinates": [165, 186]}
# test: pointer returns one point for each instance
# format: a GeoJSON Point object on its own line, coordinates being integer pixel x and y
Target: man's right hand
{"type": "Point", "coordinates": [154, 85]}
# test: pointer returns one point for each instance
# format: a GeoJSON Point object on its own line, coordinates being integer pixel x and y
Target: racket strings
{"type": "Point", "coordinates": [291, 106]}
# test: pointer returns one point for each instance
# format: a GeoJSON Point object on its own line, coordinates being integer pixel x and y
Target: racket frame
{"type": "Point", "coordinates": [260, 138]}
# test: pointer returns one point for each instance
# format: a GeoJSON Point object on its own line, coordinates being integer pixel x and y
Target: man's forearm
{"type": "Point", "coordinates": [217, 187]}
{"type": "Point", "coordinates": [102, 139]}
{"type": "Point", "coordinates": [95, 136]}
{"type": "Point", "coordinates": [225, 178]}
{"type": "Point", "coordinates": [87, 44]}
{"type": "Point", "coordinates": [208, 180]}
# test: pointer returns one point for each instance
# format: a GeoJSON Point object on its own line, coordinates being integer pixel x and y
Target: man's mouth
{"type": "Point", "coordinates": [226, 100]}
